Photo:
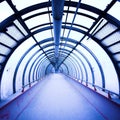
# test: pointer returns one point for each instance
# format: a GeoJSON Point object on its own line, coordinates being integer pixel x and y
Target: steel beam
{"type": "Point", "coordinates": [57, 13]}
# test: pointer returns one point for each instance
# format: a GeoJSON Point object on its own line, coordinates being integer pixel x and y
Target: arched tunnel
{"type": "Point", "coordinates": [52, 40]}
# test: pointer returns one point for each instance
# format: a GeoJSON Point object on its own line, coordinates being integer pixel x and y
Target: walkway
{"type": "Point", "coordinates": [60, 98]}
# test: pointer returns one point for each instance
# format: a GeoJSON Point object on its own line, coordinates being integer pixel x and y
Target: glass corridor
{"type": "Point", "coordinates": [79, 38]}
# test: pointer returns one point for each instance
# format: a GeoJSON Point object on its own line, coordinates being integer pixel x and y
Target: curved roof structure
{"type": "Point", "coordinates": [79, 38]}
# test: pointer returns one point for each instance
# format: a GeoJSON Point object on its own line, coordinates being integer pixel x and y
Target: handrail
{"type": "Point", "coordinates": [103, 89]}
{"type": "Point", "coordinates": [96, 86]}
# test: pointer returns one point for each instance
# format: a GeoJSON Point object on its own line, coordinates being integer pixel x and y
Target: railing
{"type": "Point", "coordinates": [96, 87]}
{"type": "Point", "coordinates": [110, 93]}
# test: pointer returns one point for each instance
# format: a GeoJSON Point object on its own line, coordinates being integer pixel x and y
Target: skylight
{"type": "Point", "coordinates": [5, 11]}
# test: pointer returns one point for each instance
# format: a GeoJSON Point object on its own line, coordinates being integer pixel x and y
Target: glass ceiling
{"type": "Point", "coordinates": [89, 47]}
